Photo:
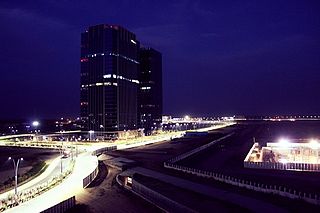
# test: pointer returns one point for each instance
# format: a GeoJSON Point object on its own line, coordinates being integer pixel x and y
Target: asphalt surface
{"type": "Point", "coordinates": [55, 172]}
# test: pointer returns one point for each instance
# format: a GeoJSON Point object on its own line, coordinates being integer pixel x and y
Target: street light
{"type": "Point", "coordinates": [61, 156]}
{"type": "Point", "coordinates": [284, 142]}
{"type": "Point", "coordinates": [313, 143]}
{"type": "Point", "coordinates": [35, 124]}
{"type": "Point", "coordinates": [15, 168]}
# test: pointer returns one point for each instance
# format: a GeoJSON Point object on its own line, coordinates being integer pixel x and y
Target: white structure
{"type": "Point", "coordinates": [285, 155]}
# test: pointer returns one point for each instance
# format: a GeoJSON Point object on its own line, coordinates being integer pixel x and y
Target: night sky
{"type": "Point", "coordinates": [219, 57]}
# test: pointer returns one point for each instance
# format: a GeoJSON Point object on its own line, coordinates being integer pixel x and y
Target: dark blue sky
{"type": "Point", "coordinates": [219, 57]}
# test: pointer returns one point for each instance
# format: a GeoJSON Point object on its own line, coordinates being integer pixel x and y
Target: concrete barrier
{"type": "Point", "coordinates": [103, 150]}
{"type": "Point", "coordinates": [158, 199]}
{"type": "Point", "coordinates": [62, 206]}
{"type": "Point", "coordinates": [87, 180]}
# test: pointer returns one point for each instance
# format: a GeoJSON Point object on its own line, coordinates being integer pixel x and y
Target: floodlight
{"type": "Point", "coordinates": [284, 142]}
{"type": "Point", "coordinates": [313, 143]}
{"type": "Point", "coordinates": [35, 123]}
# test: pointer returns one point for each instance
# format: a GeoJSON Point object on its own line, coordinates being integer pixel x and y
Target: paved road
{"type": "Point", "coordinates": [71, 186]}
{"type": "Point", "coordinates": [55, 172]}
{"type": "Point", "coordinates": [54, 169]}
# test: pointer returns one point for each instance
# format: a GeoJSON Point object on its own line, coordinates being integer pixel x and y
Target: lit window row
{"type": "Point", "coordinates": [120, 77]}
{"type": "Point", "coordinates": [113, 54]}
{"type": "Point", "coordinates": [145, 88]}
{"type": "Point", "coordinates": [147, 105]}
{"type": "Point", "coordinates": [100, 84]}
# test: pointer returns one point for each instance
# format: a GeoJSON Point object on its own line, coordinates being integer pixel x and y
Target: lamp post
{"type": "Point", "coordinates": [15, 168]}
{"type": "Point", "coordinates": [61, 156]}
{"type": "Point", "coordinates": [35, 124]}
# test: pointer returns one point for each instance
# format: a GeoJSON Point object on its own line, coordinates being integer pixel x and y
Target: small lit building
{"type": "Point", "coordinates": [285, 155]}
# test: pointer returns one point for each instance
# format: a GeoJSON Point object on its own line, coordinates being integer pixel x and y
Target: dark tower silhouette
{"type": "Point", "coordinates": [150, 90]}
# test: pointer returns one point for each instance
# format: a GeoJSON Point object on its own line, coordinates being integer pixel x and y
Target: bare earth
{"type": "Point", "coordinates": [104, 195]}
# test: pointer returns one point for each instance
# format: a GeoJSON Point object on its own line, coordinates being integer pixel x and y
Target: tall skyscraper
{"type": "Point", "coordinates": [150, 90]}
{"type": "Point", "coordinates": [109, 78]}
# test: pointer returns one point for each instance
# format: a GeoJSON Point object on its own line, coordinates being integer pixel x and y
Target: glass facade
{"type": "Point", "coordinates": [109, 73]}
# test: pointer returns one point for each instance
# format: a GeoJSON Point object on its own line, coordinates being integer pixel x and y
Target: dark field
{"type": "Point", "coordinates": [228, 156]}
{"type": "Point", "coordinates": [195, 201]}
{"type": "Point", "coordinates": [152, 156]}
{"type": "Point", "coordinates": [30, 156]}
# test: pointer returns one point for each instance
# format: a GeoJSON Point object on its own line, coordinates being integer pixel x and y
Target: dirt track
{"type": "Point", "coordinates": [104, 195]}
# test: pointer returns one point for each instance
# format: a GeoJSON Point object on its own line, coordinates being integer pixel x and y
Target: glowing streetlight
{"type": "Point", "coordinates": [314, 144]}
{"type": "Point", "coordinates": [15, 168]}
{"type": "Point", "coordinates": [284, 142]}
{"type": "Point", "coordinates": [35, 123]}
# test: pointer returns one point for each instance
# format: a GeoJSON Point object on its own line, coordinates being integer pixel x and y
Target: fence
{"type": "Point", "coordinates": [87, 180]}
{"type": "Point", "coordinates": [312, 198]}
{"type": "Point", "coordinates": [272, 189]}
{"type": "Point", "coordinates": [282, 166]}
{"type": "Point", "coordinates": [62, 207]}
{"type": "Point", "coordinates": [103, 150]}
{"type": "Point", "coordinates": [158, 199]}
{"type": "Point", "coordinates": [198, 149]}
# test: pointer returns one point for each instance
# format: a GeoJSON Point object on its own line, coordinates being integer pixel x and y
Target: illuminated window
{"type": "Point", "coordinates": [145, 88]}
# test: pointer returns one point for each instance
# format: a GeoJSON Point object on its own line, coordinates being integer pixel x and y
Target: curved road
{"type": "Point", "coordinates": [54, 169]}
